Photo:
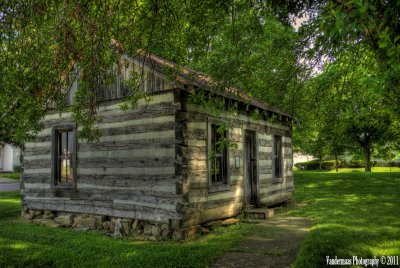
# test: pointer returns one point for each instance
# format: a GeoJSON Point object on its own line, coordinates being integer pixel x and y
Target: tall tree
{"type": "Point", "coordinates": [334, 24]}
{"type": "Point", "coordinates": [43, 42]}
{"type": "Point", "coordinates": [350, 108]}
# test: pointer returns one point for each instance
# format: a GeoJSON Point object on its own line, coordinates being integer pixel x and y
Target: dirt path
{"type": "Point", "coordinates": [274, 243]}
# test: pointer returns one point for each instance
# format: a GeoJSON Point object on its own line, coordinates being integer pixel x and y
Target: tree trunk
{"type": "Point", "coordinates": [336, 163]}
{"type": "Point", "coordinates": [367, 157]}
{"type": "Point", "coordinates": [320, 163]}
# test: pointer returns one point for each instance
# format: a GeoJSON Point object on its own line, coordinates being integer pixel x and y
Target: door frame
{"type": "Point", "coordinates": [250, 195]}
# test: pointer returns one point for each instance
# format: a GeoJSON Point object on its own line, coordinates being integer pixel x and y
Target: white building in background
{"type": "Point", "coordinates": [9, 157]}
{"type": "Point", "coordinates": [299, 158]}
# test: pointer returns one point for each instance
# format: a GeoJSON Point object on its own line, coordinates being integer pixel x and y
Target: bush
{"type": "Point", "coordinates": [18, 169]}
{"type": "Point", "coordinates": [357, 163]}
{"type": "Point", "coordinates": [314, 165]}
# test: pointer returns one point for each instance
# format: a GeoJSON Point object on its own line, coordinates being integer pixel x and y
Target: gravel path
{"type": "Point", "coordinates": [273, 243]}
{"type": "Point", "coordinates": [8, 185]}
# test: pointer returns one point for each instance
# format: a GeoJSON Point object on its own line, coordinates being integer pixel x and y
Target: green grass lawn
{"type": "Point", "coordinates": [354, 213]}
{"type": "Point", "coordinates": [14, 176]}
{"type": "Point", "coordinates": [346, 170]}
{"type": "Point", "coordinates": [26, 245]}
{"type": "Point", "coordinates": [374, 169]}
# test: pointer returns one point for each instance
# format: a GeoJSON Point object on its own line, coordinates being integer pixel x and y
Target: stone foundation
{"type": "Point", "coordinates": [119, 226]}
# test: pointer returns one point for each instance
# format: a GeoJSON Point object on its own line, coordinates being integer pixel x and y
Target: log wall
{"type": "Point", "coordinates": [151, 163]}
{"type": "Point", "coordinates": [130, 172]}
{"type": "Point", "coordinates": [204, 205]}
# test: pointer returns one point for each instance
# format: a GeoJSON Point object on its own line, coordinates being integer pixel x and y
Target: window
{"type": "Point", "coordinates": [64, 155]}
{"type": "Point", "coordinates": [218, 155]}
{"type": "Point", "coordinates": [277, 150]}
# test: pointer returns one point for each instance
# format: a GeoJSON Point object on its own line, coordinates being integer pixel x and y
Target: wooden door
{"type": "Point", "coordinates": [250, 154]}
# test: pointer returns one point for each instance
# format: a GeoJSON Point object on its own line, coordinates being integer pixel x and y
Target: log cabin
{"type": "Point", "coordinates": [161, 164]}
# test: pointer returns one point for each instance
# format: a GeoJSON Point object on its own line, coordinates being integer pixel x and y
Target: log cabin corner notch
{"type": "Point", "coordinates": [154, 163]}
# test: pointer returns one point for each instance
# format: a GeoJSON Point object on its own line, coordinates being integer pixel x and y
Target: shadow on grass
{"type": "Point", "coordinates": [355, 214]}
{"type": "Point", "coordinates": [23, 244]}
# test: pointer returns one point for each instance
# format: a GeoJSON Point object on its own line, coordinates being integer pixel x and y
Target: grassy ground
{"type": "Point", "coordinates": [14, 176]}
{"type": "Point", "coordinates": [374, 169]}
{"type": "Point", "coordinates": [354, 213]}
{"type": "Point", "coordinates": [25, 245]}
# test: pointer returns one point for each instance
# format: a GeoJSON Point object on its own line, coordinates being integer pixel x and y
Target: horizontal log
{"type": "Point", "coordinates": [196, 134]}
{"type": "Point", "coordinates": [127, 170]}
{"type": "Point", "coordinates": [106, 107]}
{"type": "Point", "coordinates": [264, 149]}
{"type": "Point", "coordinates": [263, 142]}
{"type": "Point", "coordinates": [36, 178]}
{"type": "Point", "coordinates": [193, 153]}
{"type": "Point", "coordinates": [103, 208]}
{"type": "Point", "coordinates": [150, 153]}
{"type": "Point", "coordinates": [161, 142]}
{"type": "Point", "coordinates": [139, 136]}
{"type": "Point", "coordinates": [39, 163]}
{"type": "Point", "coordinates": [167, 186]}
{"type": "Point", "coordinates": [196, 143]}
{"type": "Point", "coordinates": [235, 138]}
{"type": "Point", "coordinates": [136, 122]}
{"type": "Point", "coordinates": [37, 151]}
{"type": "Point", "coordinates": [104, 162]}
{"type": "Point", "coordinates": [264, 156]}
{"type": "Point", "coordinates": [271, 188]}
{"type": "Point", "coordinates": [264, 170]}
{"type": "Point", "coordinates": [168, 170]}
{"type": "Point", "coordinates": [160, 113]}
{"type": "Point", "coordinates": [214, 203]}
{"type": "Point", "coordinates": [197, 216]}
{"type": "Point", "coordinates": [205, 196]}
{"type": "Point", "coordinates": [134, 128]}
{"type": "Point", "coordinates": [270, 200]}
{"type": "Point", "coordinates": [265, 163]}
{"type": "Point", "coordinates": [197, 125]}
{"type": "Point", "coordinates": [110, 193]}
{"type": "Point", "coordinates": [266, 137]}
{"type": "Point", "coordinates": [125, 180]}
{"type": "Point", "coordinates": [34, 145]}
{"type": "Point", "coordinates": [194, 110]}
{"type": "Point", "coordinates": [28, 172]}
{"type": "Point", "coordinates": [265, 177]}
{"type": "Point", "coordinates": [111, 180]}
{"type": "Point", "coordinates": [151, 111]}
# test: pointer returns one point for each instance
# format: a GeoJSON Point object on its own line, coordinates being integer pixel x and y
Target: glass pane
{"type": "Point", "coordinates": [70, 142]}
{"type": "Point", "coordinates": [277, 156]}
{"type": "Point", "coordinates": [65, 151]}
{"type": "Point", "coordinates": [218, 169]}
{"type": "Point", "coordinates": [65, 170]}
{"type": "Point", "coordinates": [64, 142]}
{"type": "Point", "coordinates": [220, 154]}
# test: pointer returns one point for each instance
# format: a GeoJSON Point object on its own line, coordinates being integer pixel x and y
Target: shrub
{"type": "Point", "coordinates": [18, 169]}
{"type": "Point", "coordinates": [357, 163]}
{"type": "Point", "coordinates": [314, 165]}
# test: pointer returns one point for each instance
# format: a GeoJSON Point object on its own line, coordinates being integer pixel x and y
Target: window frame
{"type": "Point", "coordinates": [277, 178]}
{"type": "Point", "coordinates": [55, 157]}
{"type": "Point", "coordinates": [225, 184]}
